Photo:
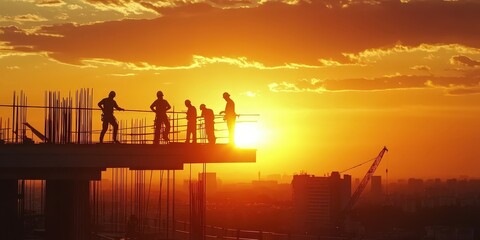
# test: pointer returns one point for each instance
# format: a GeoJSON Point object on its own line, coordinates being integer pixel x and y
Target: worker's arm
{"type": "Point", "coordinates": [168, 105]}
{"type": "Point", "coordinates": [152, 107]}
{"type": "Point", "coordinates": [118, 108]}
{"type": "Point", "coordinates": [100, 104]}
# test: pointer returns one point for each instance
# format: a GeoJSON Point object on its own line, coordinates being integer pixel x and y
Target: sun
{"type": "Point", "coordinates": [247, 135]}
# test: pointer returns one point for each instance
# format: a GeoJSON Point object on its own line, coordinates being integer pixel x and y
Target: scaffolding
{"type": "Point", "coordinates": [125, 203]}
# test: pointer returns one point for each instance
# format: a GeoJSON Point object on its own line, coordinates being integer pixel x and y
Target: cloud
{"type": "Point", "coordinates": [176, 7]}
{"type": "Point", "coordinates": [464, 60]}
{"type": "Point", "coordinates": [249, 93]}
{"type": "Point", "coordinates": [13, 67]}
{"type": "Point", "coordinates": [74, 7]}
{"type": "Point", "coordinates": [421, 68]}
{"type": "Point", "coordinates": [272, 33]}
{"type": "Point", "coordinates": [181, 8]}
{"type": "Point", "coordinates": [50, 3]}
{"type": "Point", "coordinates": [457, 89]}
{"type": "Point", "coordinates": [464, 91]}
{"type": "Point", "coordinates": [243, 62]}
{"type": "Point", "coordinates": [304, 85]}
{"type": "Point", "coordinates": [62, 16]}
{"type": "Point", "coordinates": [122, 74]}
{"type": "Point", "coordinates": [126, 7]}
{"type": "Point", "coordinates": [23, 18]}
{"type": "Point", "coordinates": [27, 1]}
{"type": "Point", "coordinates": [332, 63]}
{"type": "Point", "coordinates": [4, 54]}
{"type": "Point", "coordinates": [4, 45]}
{"type": "Point", "coordinates": [197, 62]}
{"type": "Point", "coordinates": [451, 85]}
{"type": "Point", "coordinates": [376, 54]}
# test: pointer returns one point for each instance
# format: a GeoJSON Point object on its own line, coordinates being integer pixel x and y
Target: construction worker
{"type": "Point", "coordinates": [191, 122]}
{"type": "Point", "coordinates": [160, 107]}
{"type": "Point", "coordinates": [108, 105]}
{"type": "Point", "coordinates": [230, 116]}
{"type": "Point", "coordinates": [209, 118]}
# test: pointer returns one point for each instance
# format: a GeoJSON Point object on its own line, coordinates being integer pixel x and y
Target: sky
{"type": "Point", "coordinates": [332, 80]}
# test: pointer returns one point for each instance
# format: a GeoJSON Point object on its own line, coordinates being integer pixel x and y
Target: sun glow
{"type": "Point", "coordinates": [247, 135]}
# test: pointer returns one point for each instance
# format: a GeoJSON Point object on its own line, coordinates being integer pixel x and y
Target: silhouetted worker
{"type": "Point", "coordinates": [209, 118]}
{"type": "Point", "coordinates": [191, 122]}
{"type": "Point", "coordinates": [107, 105]}
{"type": "Point", "coordinates": [230, 116]}
{"type": "Point", "coordinates": [160, 107]}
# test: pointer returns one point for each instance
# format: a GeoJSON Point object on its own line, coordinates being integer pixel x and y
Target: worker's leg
{"type": "Point", "coordinates": [194, 132]}
{"type": "Point", "coordinates": [104, 130]}
{"type": "Point", "coordinates": [210, 131]}
{"type": "Point", "coordinates": [156, 135]}
{"type": "Point", "coordinates": [231, 130]}
{"type": "Point", "coordinates": [115, 129]}
{"type": "Point", "coordinates": [166, 130]}
{"type": "Point", "coordinates": [189, 132]}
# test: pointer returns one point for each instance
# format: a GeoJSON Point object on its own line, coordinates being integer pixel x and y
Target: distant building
{"type": "Point", "coordinates": [376, 189]}
{"type": "Point", "coordinates": [273, 177]}
{"type": "Point", "coordinates": [317, 202]}
{"type": "Point", "coordinates": [415, 186]}
{"type": "Point", "coordinates": [211, 179]}
{"type": "Point", "coordinates": [286, 178]}
{"type": "Point", "coordinates": [356, 182]}
{"type": "Point", "coordinates": [264, 183]}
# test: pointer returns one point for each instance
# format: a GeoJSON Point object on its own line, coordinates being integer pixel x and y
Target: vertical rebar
{"type": "Point", "coordinates": [168, 203]}
{"type": "Point", "coordinates": [173, 205]}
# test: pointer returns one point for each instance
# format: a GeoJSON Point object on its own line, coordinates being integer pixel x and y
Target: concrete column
{"type": "Point", "coordinates": [9, 220]}
{"type": "Point", "coordinates": [67, 210]}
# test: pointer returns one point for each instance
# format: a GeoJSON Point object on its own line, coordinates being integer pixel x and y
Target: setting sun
{"type": "Point", "coordinates": [247, 135]}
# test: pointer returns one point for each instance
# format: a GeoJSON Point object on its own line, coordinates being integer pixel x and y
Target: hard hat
{"type": "Point", "coordinates": [159, 93]}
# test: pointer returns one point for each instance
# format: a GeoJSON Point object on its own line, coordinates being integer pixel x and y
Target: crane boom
{"type": "Point", "coordinates": [356, 195]}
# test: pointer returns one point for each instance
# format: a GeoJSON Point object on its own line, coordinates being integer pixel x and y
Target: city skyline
{"type": "Point", "coordinates": [333, 81]}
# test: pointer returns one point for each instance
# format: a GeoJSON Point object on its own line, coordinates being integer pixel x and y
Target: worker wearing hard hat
{"type": "Point", "coordinates": [230, 116]}
{"type": "Point", "coordinates": [108, 105]}
{"type": "Point", "coordinates": [191, 122]}
{"type": "Point", "coordinates": [160, 107]}
{"type": "Point", "coordinates": [209, 119]}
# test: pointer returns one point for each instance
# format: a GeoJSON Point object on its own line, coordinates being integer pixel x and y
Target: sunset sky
{"type": "Point", "coordinates": [333, 81]}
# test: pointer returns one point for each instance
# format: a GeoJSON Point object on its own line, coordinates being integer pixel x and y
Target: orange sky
{"type": "Point", "coordinates": [334, 81]}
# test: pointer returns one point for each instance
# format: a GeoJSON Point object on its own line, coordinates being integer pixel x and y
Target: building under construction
{"type": "Point", "coordinates": [322, 204]}
{"type": "Point", "coordinates": [57, 184]}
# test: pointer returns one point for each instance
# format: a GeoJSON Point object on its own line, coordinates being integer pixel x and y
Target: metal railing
{"type": "Point", "coordinates": [72, 120]}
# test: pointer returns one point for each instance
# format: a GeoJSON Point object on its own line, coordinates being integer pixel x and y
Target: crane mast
{"type": "Point", "coordinates": [356, 195]}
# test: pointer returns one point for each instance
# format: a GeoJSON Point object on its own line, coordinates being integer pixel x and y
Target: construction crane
{"type": "Point", "coordinates": [356, 195]}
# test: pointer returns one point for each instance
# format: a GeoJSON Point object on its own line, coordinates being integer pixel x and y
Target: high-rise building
{"type": "Point", "coordinates": [376, 191]}
{"type": "Point", "coordinates": [211, 178]}
{"type": "Point", "coordinates": [318, 201]}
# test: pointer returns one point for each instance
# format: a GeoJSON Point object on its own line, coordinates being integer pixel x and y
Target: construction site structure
{"type": "Point", "coordinates": [61, 180]}
{"type": "Point", "coordinates": [360, 188]}
{"type": "Point", "coordinates": [321, 204]}
{"type": "Point", "coordinates": [356, 195]}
